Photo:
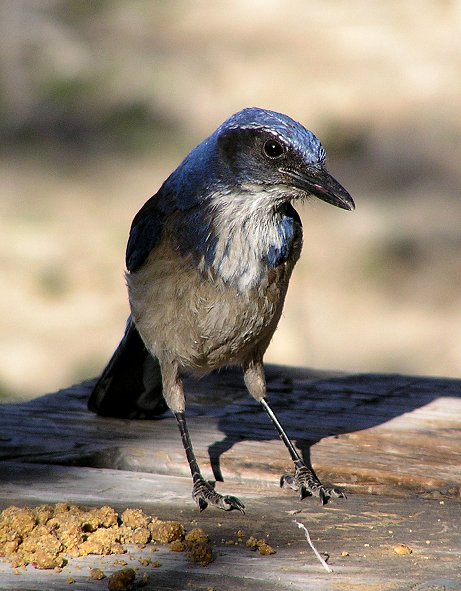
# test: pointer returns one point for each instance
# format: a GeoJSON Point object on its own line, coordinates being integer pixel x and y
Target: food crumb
{"type": "Point", "coordinates": [70, 580]}
{"type": "Point", "coordinates": [402, 549]}
{"type": "Point", "coordinates": [200, 553]}
{"type": "Point", "coordinates": [145, 579]}
{"type": "Point", "coordinates": [197, 535]}
{"type": "Point", "coordinates": [165, 532]}
{"type": "Point", "coordinates": [264, 549]}
{"type": "Point", "coordinates": [178, 546]}
{"type": "Point", "coordinates": [344, 553]}
{"type": "Point", "coordinates": [96, 574]}
{"type": "Point", "coordinates": [121, 580]}
{"type": "Point", "coordinates": [135, 518]}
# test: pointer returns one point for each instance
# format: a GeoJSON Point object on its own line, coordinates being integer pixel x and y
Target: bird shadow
{"type": "Point", "coordinates": [312, 408]}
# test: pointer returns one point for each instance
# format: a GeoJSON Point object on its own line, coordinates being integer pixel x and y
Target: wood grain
{"type": "Point", "coordinates": [393, 442]}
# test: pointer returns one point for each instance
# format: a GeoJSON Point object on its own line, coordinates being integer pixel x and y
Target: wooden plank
{"type": "Point", "coordinates": [392, 441]}
{"type": "Point", "coordinates": [366, 527]}
{"type": "Point", "coordinates": [386, 434]}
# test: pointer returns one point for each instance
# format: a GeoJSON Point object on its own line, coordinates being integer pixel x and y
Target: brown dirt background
{"type": "Point", "coordinates": [100, 101]}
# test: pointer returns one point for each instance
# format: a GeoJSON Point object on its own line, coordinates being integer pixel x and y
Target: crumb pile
{"type": "Point", "coordinates": [197, 545]}
{"type": "Point", "coordinates": [44, 536]}
{"type": "Point", "coordinates": [264, 549]}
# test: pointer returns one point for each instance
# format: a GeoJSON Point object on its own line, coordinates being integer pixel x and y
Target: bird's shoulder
{"type": "Point", "coordinates": [147, 226]}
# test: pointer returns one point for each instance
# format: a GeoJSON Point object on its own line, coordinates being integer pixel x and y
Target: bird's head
{"type": "Point", "coordinates": [261, 149]}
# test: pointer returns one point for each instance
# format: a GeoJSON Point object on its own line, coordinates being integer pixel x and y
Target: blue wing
{"type": "Point", "coordinates": [147, 227]}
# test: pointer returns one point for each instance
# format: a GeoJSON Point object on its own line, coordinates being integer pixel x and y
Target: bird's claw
{"type": "Point", "coordinates": [307, 484]}
{"type": "Point", "coordinates": [203, 494]}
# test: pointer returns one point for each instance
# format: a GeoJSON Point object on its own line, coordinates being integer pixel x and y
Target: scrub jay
{"type": "Point", "coordinates": [209, 258]}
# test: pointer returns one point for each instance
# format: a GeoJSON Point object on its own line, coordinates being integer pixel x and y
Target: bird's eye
{"type": "Point", "coordinates": [273, 149]}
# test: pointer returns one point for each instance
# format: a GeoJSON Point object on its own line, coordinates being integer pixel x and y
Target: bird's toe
{"type": "Point", "coordinates": [204, 494]}
{"type": "Point", "coordinates": [231, 503]}
{"type": "Point", "coordinates": [307, 484]}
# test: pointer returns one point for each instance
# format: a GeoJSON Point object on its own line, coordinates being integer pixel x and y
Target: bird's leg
{"type": "Point", "coordinates": [203, 491]}
{"type": "Point", "coordinates": [304, 479]}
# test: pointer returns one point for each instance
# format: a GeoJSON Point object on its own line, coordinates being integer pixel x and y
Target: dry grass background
{"type": "Point", "coordinates": [101, 100]}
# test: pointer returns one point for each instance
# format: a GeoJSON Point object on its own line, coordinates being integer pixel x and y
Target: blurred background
{"type": "Point", "coordinates": [101, 100]}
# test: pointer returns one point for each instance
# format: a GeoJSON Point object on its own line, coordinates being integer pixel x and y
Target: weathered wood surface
{"type": "Point", "coordinates": [367, 527]}
{"type": "Point", "coordinates": [371, 433]}
{"type": "Point", "coordinates": [392, 441]}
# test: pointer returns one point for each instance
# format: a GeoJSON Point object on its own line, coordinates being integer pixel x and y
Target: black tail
{"type": "Point", "coordinates": [130, 385]}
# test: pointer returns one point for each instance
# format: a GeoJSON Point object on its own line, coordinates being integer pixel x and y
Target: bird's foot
{"type": "Point", "coordinates": [203, 493]}
{"type": "Point", "coordinates": [307, 484]}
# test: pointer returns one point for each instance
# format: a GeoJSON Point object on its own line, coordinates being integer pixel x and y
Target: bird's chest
{"type": "Point", "coordinates": [212, 307]}
{"type": "Point", "coordinates": [245, 291]}
{"type": "Point", "coordinates": [246, 250]}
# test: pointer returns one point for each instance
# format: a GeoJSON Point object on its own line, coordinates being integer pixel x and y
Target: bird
{"type": "Point", "coordinates": [208, 262]}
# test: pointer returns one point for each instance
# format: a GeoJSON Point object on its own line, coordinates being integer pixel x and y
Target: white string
{"type": "Point", "coordinates": [309, 541]}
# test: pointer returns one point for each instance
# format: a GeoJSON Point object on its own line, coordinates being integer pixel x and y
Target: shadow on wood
{"type": "Point", "coordinates": [418, 420]}
{"type": "Point", "coordinates": [372, 433]}
{"type": "Point", "coordinates": [397, 437]}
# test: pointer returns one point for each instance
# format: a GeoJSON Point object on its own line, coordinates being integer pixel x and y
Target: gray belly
{"type": "Point", "coordinates": [199, 322]}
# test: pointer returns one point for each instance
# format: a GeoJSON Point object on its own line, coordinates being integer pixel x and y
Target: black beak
{"type": "Point", "coordinates": [317, 181]}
